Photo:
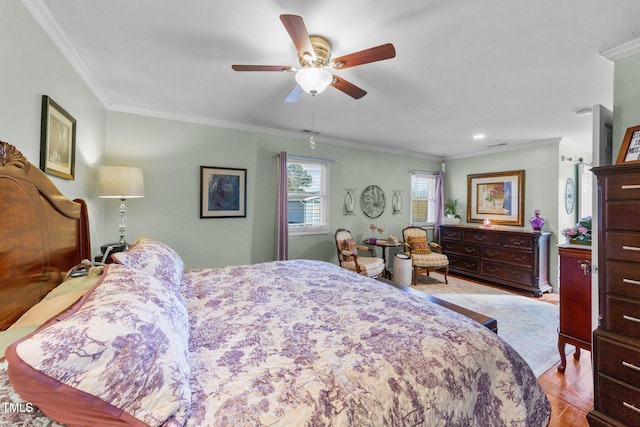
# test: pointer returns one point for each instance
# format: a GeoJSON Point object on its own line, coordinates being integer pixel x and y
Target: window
{"type": "Point", "coordinates": [423, 198]}
{"type": "Point", "coordinates": [308, 195]}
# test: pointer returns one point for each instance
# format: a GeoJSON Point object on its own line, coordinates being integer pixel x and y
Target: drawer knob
{"type": "Point", "coordinates": [631, 281]}
{"type": "Point", "coordinates": [631, 187]}
{"type": "Point", "coordinates": [516, 242]}
{"type": "Point", "coordinates": [491, 254]}
{"type": "Point", "coordinates": [630, 366]}
{"type": "Point", "coordinates": [630, 248]}
{"type": "Point", "coordinates": [480, 237]}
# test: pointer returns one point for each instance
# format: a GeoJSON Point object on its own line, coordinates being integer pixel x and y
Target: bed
{"type": "Point", "coordinates": [301, 342]}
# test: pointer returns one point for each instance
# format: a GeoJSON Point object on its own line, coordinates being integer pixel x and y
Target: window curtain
{"type": "Point", "coordinates": [439, 205]}
{"type": "Point", "coordinates": [282, 211]}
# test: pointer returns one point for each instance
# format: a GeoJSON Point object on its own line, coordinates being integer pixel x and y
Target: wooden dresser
{"type": "Point", "coordinates": [616, 342]}
{"type": "Point", "coordinates": [510, 258]}
{"type": "Point", "coordinates": [575, 301]}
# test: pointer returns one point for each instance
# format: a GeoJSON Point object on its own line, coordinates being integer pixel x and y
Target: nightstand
{"type": "Point", "coordinates": [109, 249]}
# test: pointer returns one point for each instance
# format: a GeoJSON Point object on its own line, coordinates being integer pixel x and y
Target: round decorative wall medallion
{"type": "Point", "coordinates": [372, 201]}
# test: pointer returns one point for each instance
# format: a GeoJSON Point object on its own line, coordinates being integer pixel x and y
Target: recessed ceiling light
{"type": "Point", "coordinates": [479, 136]}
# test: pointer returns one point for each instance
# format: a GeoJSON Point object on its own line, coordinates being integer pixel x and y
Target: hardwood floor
{"type": "Point", "coordinates": [571, 393]}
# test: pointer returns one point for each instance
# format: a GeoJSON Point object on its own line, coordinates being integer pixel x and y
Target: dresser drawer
{"type": "Point", "coordinates": [618, 400]}
{"type": "Point", "coordinates": [623, 246]}
{"type": "Point", "coordinates": [507, 272]}
{"type": "Point", "coordinates": [622, 316]}
{"type": "Point", "coordinates": [460, 248]}
{"type": "Point", "coordinates": [517, 242]}
{"type": "Point", "coordinates": [617, 360]}
{"type": "Point", "coordinates": [481, 236]}
{"type": "Point", "coordinates": [450, 233]}
{"type": "Point", "coordinates": [623, 278]}
{"type": "Point", "coordinates": [622, 187]}
{"type": "Point", "coordinates": [623, 215]}
{"type": "Point", "coordinates": [523, 259]}
{"type": "Point", "coordinates": [463, 263]}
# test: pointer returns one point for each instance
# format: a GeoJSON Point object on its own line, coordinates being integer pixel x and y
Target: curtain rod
{"type": "Point", "coordinates": [424, 172]}
{"type": "Point", "coordinates": [294, 156]}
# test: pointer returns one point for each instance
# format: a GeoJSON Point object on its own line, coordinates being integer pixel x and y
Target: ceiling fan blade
{"type": "Point", "coordinates": [294, 94]}
{"type": "Point", "coordinates": [378, 53]}
{"type": "Point", "coordinates": [294, 25]}
{"type": "Point", "coordinates": [261, 67]}
{"type": "Point", "coordinates": [348, 87]}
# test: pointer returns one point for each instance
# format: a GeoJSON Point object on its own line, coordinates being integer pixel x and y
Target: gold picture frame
{"type": "Point", "coordinates": [57, 140]}
{"type": "Point", "coordinates": [497, 196]}
{"type": "Point", "coordinates": [630, 149]}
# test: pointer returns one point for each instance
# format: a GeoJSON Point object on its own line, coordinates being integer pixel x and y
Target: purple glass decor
{"type": "Point", "coordinates": [536, 221]}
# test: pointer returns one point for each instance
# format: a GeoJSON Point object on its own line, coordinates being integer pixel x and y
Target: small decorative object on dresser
{"type": "Point", "coordinates": [616, 342]}
{"type": "Point", "coordinates": [510, 258]}
{"type": "Point", "coordinates": [536, 221]}
{"type": "Point", "coordinates": [575, 301]}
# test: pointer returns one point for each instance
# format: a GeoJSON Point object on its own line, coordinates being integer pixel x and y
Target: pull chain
{"type": "Point", "coordinates": [312, 141]}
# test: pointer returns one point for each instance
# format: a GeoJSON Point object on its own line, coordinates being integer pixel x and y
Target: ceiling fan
{"type": "Point", "coordinates": [314, 56]}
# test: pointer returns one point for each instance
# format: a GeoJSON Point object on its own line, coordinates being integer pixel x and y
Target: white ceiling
{"type": "Point", "coordinates": [515, 70]}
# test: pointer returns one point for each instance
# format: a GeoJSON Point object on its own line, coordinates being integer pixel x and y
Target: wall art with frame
{"type": "Point", "coordinates": [57, 140]}
{"type": "Point", "coordinates": [223, 192]}
{"type": "Point", "coordinates": [497, 196]}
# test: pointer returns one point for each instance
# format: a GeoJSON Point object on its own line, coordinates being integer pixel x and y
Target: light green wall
{"type": "Point", "coordinates": [541, 189]}
{"type": "Point", "coordinates": [171, 153]}
{"type": "Point", "coordinates": [626, 99]}
{"type": "Point", "coordinates": [33, 66]}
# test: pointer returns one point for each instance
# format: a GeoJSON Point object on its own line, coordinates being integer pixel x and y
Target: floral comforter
{"type": "Point", "coordinates": [306, 343]}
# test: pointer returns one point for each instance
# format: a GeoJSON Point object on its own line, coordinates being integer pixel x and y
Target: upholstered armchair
{"type": "Point", "coordinates": [424, 255]}
{"type": "Point", "coordinates": [348, 257]}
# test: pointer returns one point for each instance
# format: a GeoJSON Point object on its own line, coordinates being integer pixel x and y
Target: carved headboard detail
{"type": "Point", "coordinates": [43, 234]}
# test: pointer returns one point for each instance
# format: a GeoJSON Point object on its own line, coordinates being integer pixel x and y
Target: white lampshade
{"type": "Point", "coordinates": [120, 182]}
{"type": "Point", "coordinates": [314, 80]}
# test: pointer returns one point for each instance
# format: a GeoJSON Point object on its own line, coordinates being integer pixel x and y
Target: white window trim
{"type": "Point", "coordinates": [306, 230]}
{"type": "Point", "coordinates": [426, 224]}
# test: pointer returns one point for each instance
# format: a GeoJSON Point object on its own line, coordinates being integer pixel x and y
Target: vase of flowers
{"type": "Point", "coordinates": [579, 234]}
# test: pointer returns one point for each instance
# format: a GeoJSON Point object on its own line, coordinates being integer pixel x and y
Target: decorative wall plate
{"type": "Point", "coordinates": [373, 201]}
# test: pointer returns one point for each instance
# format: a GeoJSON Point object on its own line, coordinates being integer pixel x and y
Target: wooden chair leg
{"type": "Point", "coordinates": [446, 271]}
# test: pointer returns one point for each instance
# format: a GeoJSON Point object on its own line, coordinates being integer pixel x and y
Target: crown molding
{"type": "Point", "coordinates": [47, 22]}
{"type": "Point", "coordinates": [622, 51]}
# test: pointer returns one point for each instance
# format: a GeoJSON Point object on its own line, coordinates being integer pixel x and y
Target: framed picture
{"type": "Point", "coordinates": [223, 192]}
{"type": "Point", "coordinates": [630, 149]}
{"type": "Point", "coordinates": [498, 197]}
{"type": "Point", "coordinates": [57, 140]}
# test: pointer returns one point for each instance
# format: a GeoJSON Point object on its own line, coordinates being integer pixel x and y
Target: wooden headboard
{"type": "Point", "coordinates": [43, 234]}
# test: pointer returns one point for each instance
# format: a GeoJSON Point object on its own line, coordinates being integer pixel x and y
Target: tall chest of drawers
{"type": "Point", "coordinates": [616, 342]}
{"type": "Point", "coordinates": [510, 258]}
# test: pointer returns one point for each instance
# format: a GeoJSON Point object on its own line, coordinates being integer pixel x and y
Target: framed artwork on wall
{"type": "Point", "coordinates": [57, 140]}
{"type": "Point", "coordinates": [630, 149]}
{"type": "Point", "coordinates": [223, 192]}
{"type": "Point", "coordinates": [498, 197]}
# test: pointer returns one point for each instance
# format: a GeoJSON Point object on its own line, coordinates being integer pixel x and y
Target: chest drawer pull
{"type": "Point", "coordinates": [632, 407]}
{"type": "Point", "coordinates": [630, 366]}
{"type": "Point", "coordinates": [631, 281]}
{"type": "Point", "coordinates": [632, 319]}
{"type": "Point", "coordinates": [631, 187]}
{"type": "Point", "coordinates": [631, 248]}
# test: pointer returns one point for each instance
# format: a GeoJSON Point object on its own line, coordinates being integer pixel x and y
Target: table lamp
{"type": "Point", "coordinates": [120, 182]}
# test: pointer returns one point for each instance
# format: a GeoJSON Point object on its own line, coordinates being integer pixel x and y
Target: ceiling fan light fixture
{"type": "Point", "coordinates": [313, 80]}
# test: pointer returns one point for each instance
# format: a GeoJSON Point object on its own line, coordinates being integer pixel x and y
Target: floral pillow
{"type": "Point", "coordinates": [155, 258]}
{"type": "Point", "coordinates": [119, 355]}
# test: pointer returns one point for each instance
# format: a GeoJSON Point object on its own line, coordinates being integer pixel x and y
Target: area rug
{"type": "Point", "coordinates": [530, 326]}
